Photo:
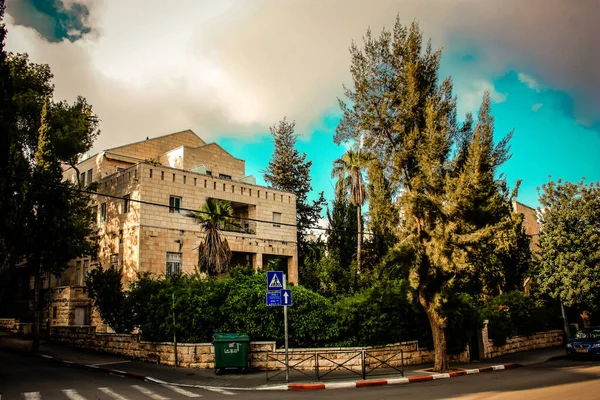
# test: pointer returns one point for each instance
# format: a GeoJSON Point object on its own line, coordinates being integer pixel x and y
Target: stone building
{"type": "Point", "coordinates": [145, 191]}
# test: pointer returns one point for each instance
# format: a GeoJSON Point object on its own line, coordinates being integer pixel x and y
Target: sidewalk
{"type": "Point", "coordinates": [257, 380]}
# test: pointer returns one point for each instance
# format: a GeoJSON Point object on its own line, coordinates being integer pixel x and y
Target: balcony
{"type": "Point", "coordinates": [247, 227]}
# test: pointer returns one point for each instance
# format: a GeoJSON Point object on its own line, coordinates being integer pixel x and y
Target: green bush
{"type": "Point", "coordinates": [514, 314]}
{"type": "Point", "coordinates": [463, 321]}
{"type": "Point", "coordinates": [380, 315]}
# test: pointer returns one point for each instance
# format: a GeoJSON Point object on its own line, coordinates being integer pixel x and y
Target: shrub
{"type": "Point", "coordinates": [463, 321]}
{"type": "Point", "coordinates": [514, 314]}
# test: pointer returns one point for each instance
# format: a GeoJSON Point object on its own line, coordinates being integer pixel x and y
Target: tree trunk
{"type": "Point", "coordinates": [440, 349]}
{"type": "Point", "coordinates": [37, 315]}
{"type": "Point", "coordinates": [585, 317]}
{"type": "Point", "coordinates": [358, 240]}
{"type": "Point", "coordinates": [440, 363]}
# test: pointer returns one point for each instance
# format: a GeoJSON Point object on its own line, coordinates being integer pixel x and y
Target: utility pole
{"type": "Point", "coordinates": [174, 330]}
{"type": "Point", "coordinates": [285, 329]}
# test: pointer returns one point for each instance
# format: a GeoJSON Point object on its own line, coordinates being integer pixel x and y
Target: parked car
{"type": "Point", "coordinates": [585, 343]}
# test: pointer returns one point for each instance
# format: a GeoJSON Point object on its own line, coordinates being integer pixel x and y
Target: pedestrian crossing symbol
{"type": "Point", "coordinates": [274, 280]}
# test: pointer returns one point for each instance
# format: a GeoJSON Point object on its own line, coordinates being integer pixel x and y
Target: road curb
{"type": "Point", "coordinates": [298, 386]}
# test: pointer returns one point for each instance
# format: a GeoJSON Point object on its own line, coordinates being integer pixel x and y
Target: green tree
{"type": "Point", "coordinates": [214, 253]}
{"type": "Point", "coordinates": [382, 214]}
{"type": "Point", "coordinates": [289, 171]}
{"type": "Point", "coordinates": [348, 170]}
{"type": "Point", "coordinates": [47, 222]}
{"type": "Point", "coordinates": [405, 117]}
{"type": "Point", "coordinates": [569, 259]}
{"type": "Point", "coordinates": [341, 241]}
{"type": "Point", "coordinates": [105, 287]}
{"type": "Point", "coordinates": [60, 220]}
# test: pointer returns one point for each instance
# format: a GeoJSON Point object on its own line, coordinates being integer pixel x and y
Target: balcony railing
{"type": "Point", "coordinates": [247, 227]}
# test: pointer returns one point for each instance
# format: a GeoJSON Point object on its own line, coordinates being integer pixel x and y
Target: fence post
{"type": "Point", "coordinates": [363, 362]}
{"type": "Point", "coordinates": [317, 366]}
{"type": "Point", "coordinates": [402, 359]}
{"type": "Point", "coordinates": [267, 372]}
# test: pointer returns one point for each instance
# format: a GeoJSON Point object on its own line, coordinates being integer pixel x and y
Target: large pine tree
{"type": "Point", "coordinates": [448, 207]}
{"type": "Point", "coordinates": [288, 170]}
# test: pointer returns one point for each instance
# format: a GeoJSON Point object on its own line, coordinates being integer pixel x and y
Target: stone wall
{"type": "Point", "coordinates": [261, 354]}
{"type": "Point", "coordinates": [15, 326]}
{"type": "Point", "coordinates": [520, 343]}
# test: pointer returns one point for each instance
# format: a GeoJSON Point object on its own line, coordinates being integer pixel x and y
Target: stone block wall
{"type": "Point", "coordinates": [15, 326]}
{"type": "Point", "coordinates": [261, 354]}
{"type": "Point", "coordinates": [515, 344]}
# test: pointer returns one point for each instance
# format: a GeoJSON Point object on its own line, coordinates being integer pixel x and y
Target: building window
{"type": "Point", "coordinates": [103, 212]}
{"type": "Point", "coordinates": [126, 203]}
{"type": "Point", "coordinates": [232, 189]}
{"type": "Point", "coordinates": [276, 219]}
{"type": "Point", "coordinates": [173, 177]}
{"type": "Point", "coordinates": [54, 312]}
{"type": "Point", "coordinates": [89, 176]}
{"type": "Point", "coordinates": [173, 264]}
{"type": "Point", "coordinates": [150, 172]}
{"type": "Point", "coordinates": [174, 204]}
{"type": "Point", "coordinates": [162, 175]}
{"type": "Point", "coordinates": [184, 179]}
{"type": "Point", "coordinates": [114, 260]}
{"type": "Point", "coordinates": [223, 176]}
{"type": "Point", "coordinates": [82, 178]}
{"type": "Point", "coordinates": [78, 281]}
{"type": "Point", "coordinates": [119, 169]}
{"type": "Point", "coordinates": [209, 173]}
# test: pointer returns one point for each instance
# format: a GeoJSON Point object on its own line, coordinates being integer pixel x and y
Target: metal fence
{"type": "Point", "coordinates": [321, 365]}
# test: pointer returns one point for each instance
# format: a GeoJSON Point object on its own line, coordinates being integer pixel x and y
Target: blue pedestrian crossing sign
{"type": "Point", "coordinates": [274, 280]}
{"type": "Point", "coordinates": [273, 298]}
{"type": "Point", "coordinates": [286, 297]}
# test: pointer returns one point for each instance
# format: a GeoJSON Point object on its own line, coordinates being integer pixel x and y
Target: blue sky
{"type": "Point", "coordinates": [227, 71]}
{"type": "Point", "coordinates": [546, 140]}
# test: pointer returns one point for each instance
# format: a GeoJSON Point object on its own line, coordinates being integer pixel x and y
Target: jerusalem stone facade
{"type": "Point", "coordinates": [146, 189]}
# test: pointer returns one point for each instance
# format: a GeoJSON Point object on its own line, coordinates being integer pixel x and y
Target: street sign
{"type": "Point", "coordinates": [273, 298]}
{"type": "Point", "coordinates": [286, 297]}
{"type": "Point", "coordinates": [274, 280]}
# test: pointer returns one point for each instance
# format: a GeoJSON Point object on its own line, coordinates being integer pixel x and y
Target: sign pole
{"type": "Point", "coordinates": [285, 329]}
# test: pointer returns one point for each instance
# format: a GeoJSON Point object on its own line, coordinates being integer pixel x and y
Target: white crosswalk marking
{"type": "Point", "coordinates": [32, 396]}
{"type": "Point", "coordinates": [112, 394]}
{"type": "Point", "coordinates": [149, 393]}
{"type": "Point", "coordinates": [218, 390]}
{"type": "Point", "coordinates": [73, 395]}
{"type": "Point", "coordinates": [184, 392]}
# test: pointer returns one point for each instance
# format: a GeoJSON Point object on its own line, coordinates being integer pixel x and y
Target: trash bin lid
{"type": "Point", "coordinates": [230, 337]}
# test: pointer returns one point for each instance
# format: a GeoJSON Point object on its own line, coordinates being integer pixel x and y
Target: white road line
{"type": "Point", "coordinates": [113, 362]}
{"type": "Point", "coordinates": [183, 391]}
{"type": "Point", "coordinates": [149, 392]}
{"type": "Point", "coordinates": [73, 395]}
{"type": "Point", "coordinates": [222, 391]}
{"type": "Point", "coordinates": [32, 396]}
{"type": "Point", "coordinates": [112, 394]}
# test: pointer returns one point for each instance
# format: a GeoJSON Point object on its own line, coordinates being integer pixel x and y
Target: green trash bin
{"type": "Point", "coordinates": [231, 351]}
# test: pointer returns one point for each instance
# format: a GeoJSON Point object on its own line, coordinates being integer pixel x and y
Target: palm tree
{"type": "Point", "coordinates": [349, 173]}
{"type": "Point", "coordinates": [214, 253]}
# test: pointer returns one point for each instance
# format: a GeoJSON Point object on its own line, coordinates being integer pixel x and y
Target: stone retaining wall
{"type": "Point", "coordinates": [15, 326]}
{"type": "Point", "coordinates": [263, 355]}
{"type": "Point", "coordinates": [520, 343]}
{"type": "Point", "coordinates": [201, 355]}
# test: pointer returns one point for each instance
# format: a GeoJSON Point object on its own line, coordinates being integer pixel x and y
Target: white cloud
{"type": "Point", "coordinates": [529, 81]}
{"type": "Point", "coordinates": [234, 68]}
{"type": "Point", "coordinates": [470, 96]}
{"type": "Point", "coordinates": [536, 107]}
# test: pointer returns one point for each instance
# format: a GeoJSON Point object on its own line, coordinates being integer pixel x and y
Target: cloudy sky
{"type": "Point", "coordinates": [228, 69]}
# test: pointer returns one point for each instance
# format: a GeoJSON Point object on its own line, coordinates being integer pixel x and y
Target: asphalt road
{"type": "Point", "coordinates": [27, 377]}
